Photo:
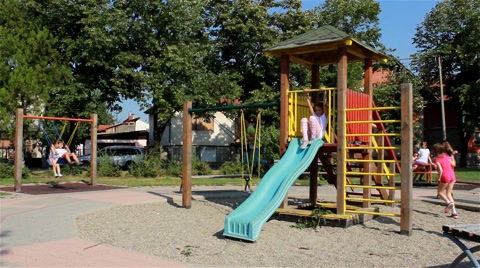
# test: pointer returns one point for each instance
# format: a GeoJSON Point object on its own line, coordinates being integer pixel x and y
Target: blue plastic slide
{"type": "Point", "coordinates": [246, 221]}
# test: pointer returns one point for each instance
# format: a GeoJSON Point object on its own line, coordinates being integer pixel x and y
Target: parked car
{"type": "Point", "coordinates": [119, 155]}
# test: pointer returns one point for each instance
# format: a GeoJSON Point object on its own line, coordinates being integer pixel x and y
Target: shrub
{"type": "Point", "coordinates": [71, 170]}
{"type": "Point", "coordinates": [106, 169]}
{"type": "Point", "coordinates": [200, 168]}
{"type": "Point", "coordinates": [7, 171]}
{"type": "Point", "coordinates": [174, 168]}
{"type": "Point", "coordinates": [232, 168]}
{"type": "Point", "coordinates": [147, 168]}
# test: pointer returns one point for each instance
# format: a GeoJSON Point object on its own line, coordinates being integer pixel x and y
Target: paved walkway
{"type": "Point", "coordinates": [40, 231]}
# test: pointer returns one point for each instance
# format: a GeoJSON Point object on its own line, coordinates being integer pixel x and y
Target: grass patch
{"type": "Point", "coordinates": [44, 176]}
{"type": "Point", "coordinates": [467, 174]}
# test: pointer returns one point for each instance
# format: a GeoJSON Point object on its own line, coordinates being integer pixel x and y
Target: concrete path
{"type": "Point", "coordinates": [40, 231]}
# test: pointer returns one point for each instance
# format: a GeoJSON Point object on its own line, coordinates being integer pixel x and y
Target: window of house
{"type": "Point", "coordinates": [202, 124]}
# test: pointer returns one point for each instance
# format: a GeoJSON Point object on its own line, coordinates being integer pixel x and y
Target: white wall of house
{"type": "Point", "coordinates": [141, 125]}
{"type": "Point", "coordinates": [221, 135]}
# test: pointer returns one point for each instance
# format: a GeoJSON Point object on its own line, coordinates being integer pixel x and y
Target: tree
{"type": "Point", "coordinates": [155, 52]}
{"type": "Point", "coordinates": [30, 64]}
{"type": "Point", "coordinates": [388, 94]}
{"type": "Point", "coordinates": [452, 30]}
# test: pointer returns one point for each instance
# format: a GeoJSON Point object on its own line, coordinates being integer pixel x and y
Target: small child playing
{"type": "Point", "coordinates": [445, 165]}
{"type": "Point", "coordinates": [314, 127]}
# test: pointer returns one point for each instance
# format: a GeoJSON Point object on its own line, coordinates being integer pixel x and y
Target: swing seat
{"type": "Point", "coordinates": [60, 161]}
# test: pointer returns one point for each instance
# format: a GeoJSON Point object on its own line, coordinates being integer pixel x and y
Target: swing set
{"type": "Point", "coordinates": [250, 152]}
{"type": "Point", "coordinates": [61, 160]}
{"type": "Point", "coordinates": [187, 143]}
{"type": "Point", "coordinates": [19, 120]}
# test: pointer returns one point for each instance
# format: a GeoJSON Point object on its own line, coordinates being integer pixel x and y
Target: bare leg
{"type": "Point", "coordinates": [54, 165]}
{"type": "Point", "coordinates": [440, 191]}
{"type": "Point", "coordinates": [67, 157]}
{"type": "Point", "coordinates": [449, 191]}
{"type": "Point", "coordinates": [74, 156]}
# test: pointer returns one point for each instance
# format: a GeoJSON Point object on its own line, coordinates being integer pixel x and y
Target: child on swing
{"type": "Point", "coordinates": [63, 152]}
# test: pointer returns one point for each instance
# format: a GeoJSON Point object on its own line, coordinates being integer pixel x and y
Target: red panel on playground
{"type": "Point", "coordinates": [357, 99]}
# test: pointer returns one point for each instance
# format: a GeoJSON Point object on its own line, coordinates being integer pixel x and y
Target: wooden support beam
{"type": "Point", "coordinates": [18, 150]}
{"type": "Point", "coordinates": [341, 119]}
{"type": "Point", "coordinates": [406, 207]}
{"type": "Point", "coordinates": [187, 156]}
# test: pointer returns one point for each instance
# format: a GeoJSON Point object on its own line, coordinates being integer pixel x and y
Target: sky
{"type": "Point", "coordinates": [398, 22]}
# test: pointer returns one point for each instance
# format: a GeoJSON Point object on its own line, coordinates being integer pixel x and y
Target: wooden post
{"type": "Point", "coordinates": [187, 156]}
{"type": "Point", "coordinates": [284, 87]}
{"type": "Point", "coordinates": [314, 166]}
{"type": "Point", "coordinates": [406, 220]}
{"type": "Point", "coordinates": [93, 150]}
{"type": "Point", "coordinates": [18, 150]}
{"type": "Point", "coordinates": [341, 119]}
{"type": "Point", "coordinates": [367, 166]}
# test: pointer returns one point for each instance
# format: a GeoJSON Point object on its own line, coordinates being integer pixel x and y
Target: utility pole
{"type": "Point", "coordinates": [444, 129]}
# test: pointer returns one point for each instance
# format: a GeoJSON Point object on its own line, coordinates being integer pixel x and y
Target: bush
{"type": "Point", "coordinates": [147, 168]}
{"type": "Point", "coordinates": [200, 168]}
{"type": "Point", "coordinates": [70, 170]}
{"type": "Point", "coordinates": [7, 171]}
{"type": "Point", "coordinates": [106, 169]}
{"type": "Point", "coordinates": [174, 168]}
{"type": "Point", "coordinates": [228, 168]}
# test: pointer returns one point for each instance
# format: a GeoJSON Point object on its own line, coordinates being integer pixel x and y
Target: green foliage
{"type": "Point", "coordinates": [200, 168]}
{"type": "Point", "coordinates": [451, 31]}
{"type": "Point", "coordinates": [71, 170]}
{"type": "Point", "coordinates": [106, 169]}
{"type": "Point", "coordinates": [174, 168]}
{"type": "Point", "coordinates": [30, 66]}
{"type": "Point", "coordinates": [233, 167]}
{"type": "Point", "coordinates": [7, 171]}
{"type": "Point", "coordinates": [147, 169]}
{"type": "Point", "coordinates": [315, 220]}
{"type": "Point", "coordinates": [270, 143]}
{"type": "Point", "coordinates": [388, 94]}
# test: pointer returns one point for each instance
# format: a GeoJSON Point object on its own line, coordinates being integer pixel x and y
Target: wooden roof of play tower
{"type": "Point", "coordinates": [319, 47]}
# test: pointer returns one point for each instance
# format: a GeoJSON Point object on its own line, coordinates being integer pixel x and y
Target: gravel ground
{"type": "Point", "coordinates": [194, 236]}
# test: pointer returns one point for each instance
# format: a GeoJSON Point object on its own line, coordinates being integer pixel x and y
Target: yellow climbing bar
{"type": "Point", "coordinates": [372, 161]}
{"type": "Point", "coordinates": [370, 186]}
{"type": "Point", "coordinates": [371, 200]}
{"type": "Point", "coordinates": [374, 213]}
{"type": "Point", "coordinates": [371, 173]}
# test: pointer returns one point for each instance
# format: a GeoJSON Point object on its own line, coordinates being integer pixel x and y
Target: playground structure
{"type": "Point", "coordinates": [19, 118]}
{"type": "Point", "coordinates": [355, 132]}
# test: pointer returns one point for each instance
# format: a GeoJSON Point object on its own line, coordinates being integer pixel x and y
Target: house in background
{"type": "Point", "coordinates": [133, 131]}
{"type": "Point", "coordinates": [213, 141]}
